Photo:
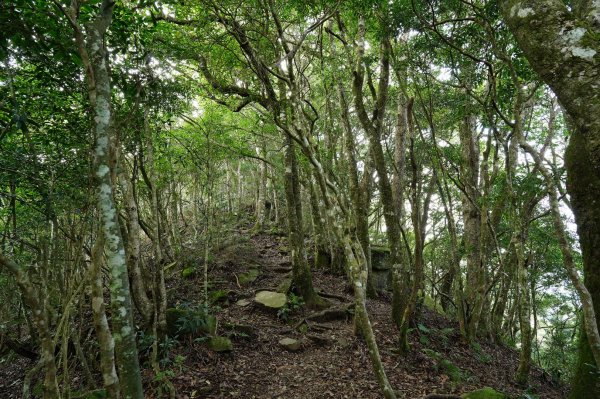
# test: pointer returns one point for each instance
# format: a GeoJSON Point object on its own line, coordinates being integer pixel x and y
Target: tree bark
{"type": "Point", "coordinates": [301, 274]}
{"type": "Point", "coordinates": [122, 315]}
{"type": "Point", "coordinates": [471, 307]}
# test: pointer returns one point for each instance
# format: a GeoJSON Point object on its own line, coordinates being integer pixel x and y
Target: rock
{"type": "Point", "coordinates": [220, 344]}
{"type": "Point", "coordinates": [243, 303]}
{"type": "Point", "coordinates": [271, 299]}
{"type": "Point", "coordinates": [485, 393]}
{"type": "Point", "coordinates": [249, 277]}
{"type": "Point", "coordinates": [343, 342]}
{"type": "Point", "coordinates": [380, 258]}
{"type": "Point", "coordinates": [285, 285]}
{"type": "Point", "coordinates": [290, 344]}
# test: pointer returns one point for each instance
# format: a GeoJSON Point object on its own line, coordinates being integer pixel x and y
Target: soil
{"type": "Point", "coordinates": [332, 362]}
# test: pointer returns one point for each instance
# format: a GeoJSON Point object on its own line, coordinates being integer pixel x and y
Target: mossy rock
{"type": "Point", "coordinates": [290, 344]}
{"type": "Point", "coordinates": [220, 344]}
{"type": "Point", "coordinates": [271, 299]}
{"type": "Point", "coordinates": [249, 277]}
{"type": "Point", "coordinates": [207, 324]}
{"type": "Point", "coordinates": [285, 285]}
{"type": "Point", "coordinates": [188, 272]}
{"type": "Point", "coordinates": [485, 393]}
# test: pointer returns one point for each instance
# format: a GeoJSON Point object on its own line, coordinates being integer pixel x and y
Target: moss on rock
{"type": "Point", "coordinates": [485, 393]}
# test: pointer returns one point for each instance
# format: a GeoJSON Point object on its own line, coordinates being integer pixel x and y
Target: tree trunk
{"type": "Point", "coordinates": [106, 342]}
{"type": "Point", "coordinates": [41, 323]}
{"type": "Point", "coordinates": [358, 194]}
{"type": "Point", "coordinates": [301, 275]}
{"type": "Point", "coordinates": [122, 315]}
{"type": "Point", "coordinates": [475, 283]}
{"type": "Point", "coordinates": [140, 298]}
{"type": "Point", "coordinates": [373, 130]}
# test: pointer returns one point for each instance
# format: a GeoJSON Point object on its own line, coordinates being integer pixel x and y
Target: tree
{"type": "Point", "coordinates": [559, 46]}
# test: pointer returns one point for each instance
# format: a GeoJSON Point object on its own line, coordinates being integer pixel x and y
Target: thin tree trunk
{"type": "Point", "coordinates": [301, 275]}
{"type": "Point", "coordinates": [475, 283]}
{"type": "Point", "coordinates": [106, 343]}
{"type": "Point", "coordinates": [140, 298]}
{"type": "Point", "coordinates": [122, 315]}
{"type": "Point", "coordinates": [41, 324]}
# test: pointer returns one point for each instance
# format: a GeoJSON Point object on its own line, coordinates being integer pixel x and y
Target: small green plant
{"type": "Point", "coordinates": [294, 303]}
{"type": "Point", "coordinates": [165, 347]}
{"type": "Point", "coordinates": [178, 362]}
{"type": "Point", "coordinates": [193, 320]}
{"type": "Point", "coordinates": [480, 353]}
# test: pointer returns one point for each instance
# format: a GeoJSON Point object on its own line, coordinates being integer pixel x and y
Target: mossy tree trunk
{"type": "Point", "coordinates": [584, 187]}
{"type": "Point", "coordinates": [301, 274]}
{"type": "Point", "coordinates": [92, 49]}
{"type": "Point", "coordinates": [359, 191]}
{"type": "Point", "coordinates": [470, 308]}
{"type": "Point", "coordinates": [373, 129]}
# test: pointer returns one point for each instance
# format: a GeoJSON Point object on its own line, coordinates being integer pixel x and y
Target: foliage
{"type": "Point", "coordinates": [293, 304]}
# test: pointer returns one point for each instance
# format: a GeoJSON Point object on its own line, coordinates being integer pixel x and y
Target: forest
{"type": "Point", "coordinates": [300, 199]}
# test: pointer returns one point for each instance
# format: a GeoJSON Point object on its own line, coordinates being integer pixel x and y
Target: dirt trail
{"type": "Point", "coordinates": [337, 366]}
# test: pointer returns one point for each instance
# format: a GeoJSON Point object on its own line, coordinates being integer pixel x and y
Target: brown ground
{"type": "Point", "coordinates": [259, 368]}
{"type": "Point", "coordinates": [337, 368]}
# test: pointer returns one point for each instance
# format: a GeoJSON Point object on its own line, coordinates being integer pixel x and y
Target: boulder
{"type": "Point", "coordinates": [271, 299]}
{"type": "Point", "coordinates": [382, 268]}
{"type": "Point", "coordinates": [220, 344]}
{"type": "Point", "coordinates": [484, 393]}
{"type": "Point", "coordinates": [290, 344]}
{"type": "Point", "coordinates": [249, 277]}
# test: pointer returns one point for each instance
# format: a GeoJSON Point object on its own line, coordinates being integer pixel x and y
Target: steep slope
{"type": "Point", "coordinates": [331, 362]}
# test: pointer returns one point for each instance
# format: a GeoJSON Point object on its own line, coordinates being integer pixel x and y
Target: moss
{"type": "Point", "coordinates": [445, 366]}
{"type": "Point", "coordinates": [451, 370]}
{"type": "Point", "coordinates": [218, 296]}
{"type": "Point", "coordinates": [322, 259]}
{"type": "Point", "coordinates": [249, 277]}
{"type": "Point", "coordinates": [96, 394]}
{"type": "Point", "coordinates": [188, 272]}
{"type": "Point", "coordinates": [485, 393]}
{"type": "Point", "coordinates": [220, 344]}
